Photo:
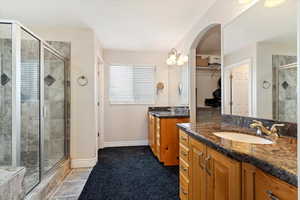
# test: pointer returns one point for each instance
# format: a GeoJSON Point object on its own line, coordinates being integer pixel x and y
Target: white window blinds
{"type": "Point", "coordinates": [30, 81]}
{"type": "Point", "coordinates": [132, 84]}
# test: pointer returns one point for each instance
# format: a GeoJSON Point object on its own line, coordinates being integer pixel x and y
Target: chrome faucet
{"type": "Point", "coordinates": [273, 131]}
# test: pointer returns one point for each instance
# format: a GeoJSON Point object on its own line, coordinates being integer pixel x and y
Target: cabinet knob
{"type": "Point", "coordinates": [271, 195]}
{"type": "Point", "coordinates": [207, 161]}
{"type": "Point", "coordinates": [183, 168]}
{"type": "Point", "coordinates": [200, 154]}
{"type": "Point", "coordinates": [183, 153]}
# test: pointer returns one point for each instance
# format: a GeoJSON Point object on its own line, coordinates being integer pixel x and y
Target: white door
{"type": "Point", "coordinates": [237, 89]}
{"type": "Point", "coordinates": [240, 90]}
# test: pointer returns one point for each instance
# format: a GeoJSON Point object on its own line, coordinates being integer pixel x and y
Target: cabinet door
{"type": "Point", "coordinates": [268, 187]}
{"type": "Point", "coordinates": [151, 134]}
{"type": "Point", "coordinates": [223, 177]}
{"type": "Point", "coordinates": [197, 170]}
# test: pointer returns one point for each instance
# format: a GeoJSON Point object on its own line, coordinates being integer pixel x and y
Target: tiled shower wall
{"type": "Point", "coordinates": [284, 89]}
{"type": "Point", "coordinates": [5, 102]}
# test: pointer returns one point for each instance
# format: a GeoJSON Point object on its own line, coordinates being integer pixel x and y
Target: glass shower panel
{"type": "Point", "coordinates": [30, 108]}
{"type": "Point", "coordinates": [287, 93]}
{"type": "Point", "coordinates": [54, 120]}
{"type": "Point", "coordinates": [5, 94]}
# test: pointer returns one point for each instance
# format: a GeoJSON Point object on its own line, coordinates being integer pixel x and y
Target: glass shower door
{"type": "Point", "coordinates": [30, 109]}
{"type": "Point", "coordinates": [287, 93]}
{"type": "Point", "coordinates": [54, 109]}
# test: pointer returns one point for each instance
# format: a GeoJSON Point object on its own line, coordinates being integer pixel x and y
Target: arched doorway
{"type": "Point", "coordinates": [205, 75]}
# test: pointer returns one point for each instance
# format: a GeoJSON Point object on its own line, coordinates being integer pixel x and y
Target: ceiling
{"type": "Point", "coordinates": [210, 43]}
{"type": "Point", "coordinates": [119, 24]}
{"type": "Point", "coordinates": [260, 24]}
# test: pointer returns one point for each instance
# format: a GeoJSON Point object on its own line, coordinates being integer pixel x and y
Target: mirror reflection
{"type": "Point", "coordinates": [260, 63]}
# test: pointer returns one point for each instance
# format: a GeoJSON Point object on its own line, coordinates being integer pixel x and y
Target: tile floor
{"type": "Point", "coordinates": [72, 186]}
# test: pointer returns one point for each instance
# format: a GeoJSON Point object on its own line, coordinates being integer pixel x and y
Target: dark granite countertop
{"type": "Point", "coordinates": [278, 159]}
{"type": "Point", "coordinates": [169, 114]}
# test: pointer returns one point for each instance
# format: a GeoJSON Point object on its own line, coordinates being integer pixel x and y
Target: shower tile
{"type": "Point", "coordinates": [78, 175]}
{"type": "Point", "coordinates": [72, 185]}
{"type": "Point", "coordinates": [4, 79]}
{"type": "Point", "coordinates": [49, 80]}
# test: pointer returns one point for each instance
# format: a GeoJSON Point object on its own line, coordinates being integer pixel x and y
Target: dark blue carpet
{"type": "Point", "coordinates": [130, 173]}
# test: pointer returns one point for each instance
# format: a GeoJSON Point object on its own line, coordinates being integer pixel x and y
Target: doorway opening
{"type": "Point", "coordinates": [208, 98]}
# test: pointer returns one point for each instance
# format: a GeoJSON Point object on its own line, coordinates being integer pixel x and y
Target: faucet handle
{"type": "Point", "coordinates": [277, 125]}
{"type": "Point", "coordinates": [257, 122]}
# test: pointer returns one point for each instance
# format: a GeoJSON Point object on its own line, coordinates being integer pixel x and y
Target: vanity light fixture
{"type": "Point", "coordinates": [268, 3]}
{"type": "Point", "coordinates": [176, 58]}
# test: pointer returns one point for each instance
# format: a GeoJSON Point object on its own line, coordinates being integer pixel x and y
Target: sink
{"type": "Point", "coordinates": [240, 137]}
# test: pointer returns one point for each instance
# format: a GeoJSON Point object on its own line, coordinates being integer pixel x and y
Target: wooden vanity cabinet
{"type": "Point", "coordinates": [258, 185]}
{"type": "Point", "coordinates": [206, 174]}
{"type": "Point", "coordinates": [163, 138]}
{"type": "Point", "coordinates": [213, 176]}
{"type": "Point", "coordinates": [223, 177]}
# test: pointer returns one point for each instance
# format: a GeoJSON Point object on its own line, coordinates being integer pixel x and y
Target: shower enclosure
{"type": "Point", "coordinates": [33, 99]}
{"type": "Point", "coordinates": [284, 88]}
{"type": "Point", "coordinates": [287, 93]}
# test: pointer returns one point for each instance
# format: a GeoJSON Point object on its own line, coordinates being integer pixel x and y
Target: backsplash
{"type": "Point", "coordinates": [290, 129]}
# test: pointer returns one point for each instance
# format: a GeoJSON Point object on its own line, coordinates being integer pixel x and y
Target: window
{"type": "Point", "coordinates": [132, 84]}
{"type": "Point", "coordinates": [30, 81]}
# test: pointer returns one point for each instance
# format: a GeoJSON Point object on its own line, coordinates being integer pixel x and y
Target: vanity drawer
{"type": "Point", "coordinates": [184, 153]}
{"type": "Point", "coordinates": [183, 188]}
{"type": "Point", "coordinates": [269, 187]}
{"type": "Point", "coordinates": [183, 138]}
{"type": "Point", "coordinates": [184, 169]}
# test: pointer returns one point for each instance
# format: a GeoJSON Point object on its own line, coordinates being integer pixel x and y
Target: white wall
{"type": "Point", "coordinates": [127, 124]}
{"type": "Point", "coordinates": [84, 50]}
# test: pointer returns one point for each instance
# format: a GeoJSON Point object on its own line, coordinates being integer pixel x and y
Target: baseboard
{"type": "Point", "coordinates": [126, 143]}
{"type": "Point", "coordinates": [83, 163]}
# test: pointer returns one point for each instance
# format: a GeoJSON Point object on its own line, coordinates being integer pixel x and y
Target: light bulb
{"type": "Point", "coordinates": [180, 62]}
{"type": "Point", "coordinates": [273, 3]}
{"type": "Point", "coordinates": [169, 62]}
{"type": "Point", "coordinates": [245, 1]}
{"type": "Point", "coordinates": [173, 57]}
{"type": "Point", "coordinates": [185, 58]}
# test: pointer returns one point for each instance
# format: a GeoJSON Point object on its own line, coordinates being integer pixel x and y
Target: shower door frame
{"type": "Point", "coordinates": [16, 29]}
{"type": "Point", "coordinates": [48, 47]}
{"type": "Point", "coordinates": [277, 69]}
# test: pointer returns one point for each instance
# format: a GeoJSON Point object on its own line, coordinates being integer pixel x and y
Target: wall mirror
{"type": "Point", "coordinates": [260, 63]}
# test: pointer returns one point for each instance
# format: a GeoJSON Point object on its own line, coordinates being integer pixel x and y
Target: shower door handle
{"type": "Point", "coordinates": [44, 111]}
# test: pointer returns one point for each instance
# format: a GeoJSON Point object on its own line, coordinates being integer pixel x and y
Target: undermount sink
{"type": "Point", "coordinates": [240, 137]}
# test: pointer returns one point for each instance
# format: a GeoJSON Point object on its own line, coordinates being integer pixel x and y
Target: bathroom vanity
{"type": "Point", "coordinates": [240, 158]}
{"type": "Point", "coordinates": [163, 132]}
{"type": "Point", "coordinates": [214, 168]}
